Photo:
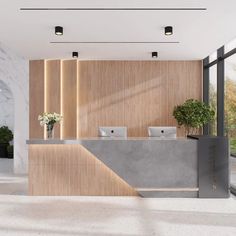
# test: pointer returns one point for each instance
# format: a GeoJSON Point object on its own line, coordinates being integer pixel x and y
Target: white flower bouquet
{"type": "Point", "coordinates": [49, 119]}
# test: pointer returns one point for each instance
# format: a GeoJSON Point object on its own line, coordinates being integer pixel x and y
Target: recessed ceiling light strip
{"type": "Point", "coordinates": [83, 42]}
{"type": "Point", "coordinates": [115, 9]}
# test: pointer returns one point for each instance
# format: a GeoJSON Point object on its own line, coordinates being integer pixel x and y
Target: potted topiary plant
{"type": "Point", "coordinates": [6, 136]}
{"type": "Point", "coordinates": [193, 114]}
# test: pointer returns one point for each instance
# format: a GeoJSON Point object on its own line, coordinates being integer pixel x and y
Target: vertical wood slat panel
{"type": "Point", "coordinates": [83, 98]}
{"type": "Point", "coordinates": [53, 90]}
{"type": "Point", "coordinates": [101, 96]}
{"type": "Point", "coordinates": [72, 170]}
{"type": "Point", "coordinates": [36, 95]}
{"type": "Point", "coordinates": [135, 83]}
{"type": "Point", "coordinates": [177, 93]}
{"type": "Point", "coordinates": [106, 106]}
{"type": "Point", "coordinates": [136, 94]}
{"type": "Point", "coordinates": [145, 96]}
{"type": "Point", "coordinates": [150, 92]}
{"type": "Point", "coordinates": [69, 99]}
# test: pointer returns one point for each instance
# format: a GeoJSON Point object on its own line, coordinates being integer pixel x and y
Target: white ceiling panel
{"type": "Point", "coordinates": [198, 32]}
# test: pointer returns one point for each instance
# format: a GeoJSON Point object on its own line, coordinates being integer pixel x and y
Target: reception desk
{"type": "Point", "coordinates": [148, 167]}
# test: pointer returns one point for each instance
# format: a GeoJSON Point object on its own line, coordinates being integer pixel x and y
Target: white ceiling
{"type": "Point", "coordinates": [29, 33]}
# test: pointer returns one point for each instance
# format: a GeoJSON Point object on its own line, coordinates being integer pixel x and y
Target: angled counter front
{"type": "Point", "coordinates": [148, 167]}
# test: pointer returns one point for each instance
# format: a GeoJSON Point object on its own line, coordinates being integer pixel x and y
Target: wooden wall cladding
{"type": "Point", "coordinates": [136, 94]}
{"type": "Point", "coordinates": [53, 90]}
{"type": "Point", "coordinates": [72, 170]}
{"type": "Point", "coordinates": [36, 95]}
{"type": "Point", "coordinates": [101, 94]}
{"type": "Point", "coordinates": [145, 96]}
{"type": "Point", "coordinates": [69, 99]}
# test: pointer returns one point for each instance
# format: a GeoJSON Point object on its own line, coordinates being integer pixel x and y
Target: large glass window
{"type": "Point", "coordinates": [227, 125]}
{"type": "Point", "coordinates": [230, 101]}
{"type": "Point", "coordinates": [213, 97]}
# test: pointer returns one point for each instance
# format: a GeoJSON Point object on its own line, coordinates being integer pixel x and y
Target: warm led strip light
{"type": "Point", "coordinates": [61, 99]}
{"type": "Point", "coordinates": [167, 189]}
{"type": "Point", "coordinates": [45, 95]}
{"type": "Point", "coordinates": [77, 99]}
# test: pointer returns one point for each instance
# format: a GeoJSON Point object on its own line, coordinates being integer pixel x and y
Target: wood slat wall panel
{"type": "Point", "coordinates": [72, 170]}
{"type": "Point", "coordinates": [36, 95]}
{"type": "Point", "coordinates": [136, 94]}
{"type": "Point", "coordinates": [53, 90]}
{"type": "Point", "coordinates": [106, 104]}
{"type": "Point", "coordinates": [134, 100]}
{"type": "Point", "coordinates": [177, 93]}
{"type": "Point", "coordinates": [69, 99]}
{"type": "Point", "coordinates": [84, 80]}
{"type": "Point", "coordinates": [145, 96]}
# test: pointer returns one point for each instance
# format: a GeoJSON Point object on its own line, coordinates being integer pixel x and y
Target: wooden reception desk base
{"type": "Point", "coordinates": [71, 170]}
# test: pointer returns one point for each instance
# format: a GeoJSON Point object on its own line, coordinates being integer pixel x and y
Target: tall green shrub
{"type": "Point", "coordinates": [193, 114]}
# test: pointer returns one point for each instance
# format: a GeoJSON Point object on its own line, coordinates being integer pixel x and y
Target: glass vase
{"type": "Point", "coordinates": [50, 131]}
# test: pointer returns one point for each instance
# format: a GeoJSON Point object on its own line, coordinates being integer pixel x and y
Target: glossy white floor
{"type": "Point", "coordinates": [114, 216]}
{"type": "Point", "coordinates": [10, 183]}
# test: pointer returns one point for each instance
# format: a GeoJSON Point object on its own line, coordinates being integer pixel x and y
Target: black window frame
{"type": "Point", "coordinates": [220, 63]}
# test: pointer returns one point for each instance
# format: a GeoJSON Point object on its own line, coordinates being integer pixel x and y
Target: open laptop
{"type": "Point", "coordinates": [113, 131]}
{"type": "Point", "coordinates": [162, 131]}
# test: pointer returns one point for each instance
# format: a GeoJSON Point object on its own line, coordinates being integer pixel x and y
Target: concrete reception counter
{"type": "Point", "coordinates": [149, 167]}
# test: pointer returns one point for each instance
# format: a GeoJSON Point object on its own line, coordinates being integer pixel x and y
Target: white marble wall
{"type": "Point", "coordinates": [6, 106]}
{"type": "Point", "coordinates": [14, 72]}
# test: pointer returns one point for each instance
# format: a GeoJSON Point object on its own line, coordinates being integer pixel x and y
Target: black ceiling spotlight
{"type": "Point", "coordinates": [75, 54]}
{"type": "Point", "coordinates": [59, 30]}
{"type": "Point", "coordinates": [168, 30]}
{"type": "Point", "coordinates": [154, 54]}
